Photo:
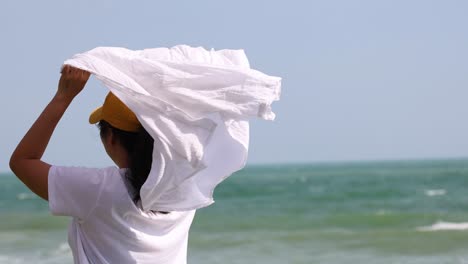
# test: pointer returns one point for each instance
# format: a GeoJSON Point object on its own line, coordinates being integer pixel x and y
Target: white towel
{"type": "Point", "coordinates": [196, 104]}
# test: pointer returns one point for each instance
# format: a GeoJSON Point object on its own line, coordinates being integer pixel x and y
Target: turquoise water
{"type": "Point", "coordinates": [378, 212]}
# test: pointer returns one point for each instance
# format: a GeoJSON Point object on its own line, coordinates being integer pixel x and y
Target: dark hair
{"type": "Point", "coordinates": [139, 146]}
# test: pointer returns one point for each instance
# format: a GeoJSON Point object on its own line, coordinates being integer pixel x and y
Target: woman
{"type": "Point", "coordinates": [108, 225]}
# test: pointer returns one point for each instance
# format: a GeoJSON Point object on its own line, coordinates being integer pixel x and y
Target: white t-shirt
{"type": "Point", "coordinates": [107, 227]}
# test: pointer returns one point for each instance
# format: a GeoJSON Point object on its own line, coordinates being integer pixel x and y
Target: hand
{"type": "Point", "coordinates": [72, 81]}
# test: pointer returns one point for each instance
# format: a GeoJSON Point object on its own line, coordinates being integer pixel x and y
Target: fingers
{"type": "Point", "coordinates": [72, 81]}
{"type": "Point", "coordinates": [71, 71]}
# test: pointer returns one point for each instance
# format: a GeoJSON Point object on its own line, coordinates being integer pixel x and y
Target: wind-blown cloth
{"type": "Point", "coordinates": [196, 104]}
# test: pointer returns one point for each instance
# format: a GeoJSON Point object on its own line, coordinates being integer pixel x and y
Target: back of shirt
{"type": "Point", "coordinates": [107, 227]}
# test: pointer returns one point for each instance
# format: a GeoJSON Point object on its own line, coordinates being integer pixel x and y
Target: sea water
{"type": "Point", "coordinates": [361, 212]}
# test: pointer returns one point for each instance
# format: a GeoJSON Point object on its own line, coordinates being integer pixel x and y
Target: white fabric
{"type": "Point", "coordinates": [196, 105]}
{"type": "Point", "coordinates": [107, 227]}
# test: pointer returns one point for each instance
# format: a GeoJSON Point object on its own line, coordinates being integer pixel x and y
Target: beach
{"type": "Point", "coordinates": [362, 212]}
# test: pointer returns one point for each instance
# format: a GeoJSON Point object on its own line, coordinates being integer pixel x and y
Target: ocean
{"type": "Point", "coordinates": [357, 212]}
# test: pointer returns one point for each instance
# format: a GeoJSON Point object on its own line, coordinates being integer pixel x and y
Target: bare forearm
{"type": "Point", "coordinates": [26, 159]}
{"type": "Point", "coordinates": [34, 143]}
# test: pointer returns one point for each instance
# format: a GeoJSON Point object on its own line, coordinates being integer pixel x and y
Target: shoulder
{"type": "Point", "coordinates": [83, 176]}
{"type": "Point", "coordinates": [74, 191]}
{"type": "Point", "coordinates": [83, 172]}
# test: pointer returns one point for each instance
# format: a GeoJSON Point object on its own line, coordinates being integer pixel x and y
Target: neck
{"type": "Point", "coordinates": [120, 156]}
{"type": "Point", "coordinates": [121, 160]}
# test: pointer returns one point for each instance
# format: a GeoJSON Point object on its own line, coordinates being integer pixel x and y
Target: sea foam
{"type": "Point", "coordinates": [26, 196]}
{"type": "Point", "coordinates": [442, 226]}
{"type": "Point", "coordinates": [436, 192]}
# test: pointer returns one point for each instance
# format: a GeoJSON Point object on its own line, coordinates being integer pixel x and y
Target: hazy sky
{"type": "Point", "coordinates": [362, 80]}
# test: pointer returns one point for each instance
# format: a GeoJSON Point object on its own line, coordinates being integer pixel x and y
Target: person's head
{"type": "Point", "coordinates": [126, 142]}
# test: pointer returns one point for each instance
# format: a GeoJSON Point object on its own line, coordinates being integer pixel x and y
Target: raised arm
{"type": "Point", "coordinates": [26, 161]}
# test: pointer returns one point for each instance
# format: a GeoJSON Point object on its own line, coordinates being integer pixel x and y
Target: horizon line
{"type": "Point", "coordinates": [341, 162]}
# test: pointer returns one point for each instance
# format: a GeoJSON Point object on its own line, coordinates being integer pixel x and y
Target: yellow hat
{"type": "Point", "coordinates": [116, 113]}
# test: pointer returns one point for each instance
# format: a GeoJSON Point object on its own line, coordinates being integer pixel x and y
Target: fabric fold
{"type": "Point", "coordinates": [196, 104]}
